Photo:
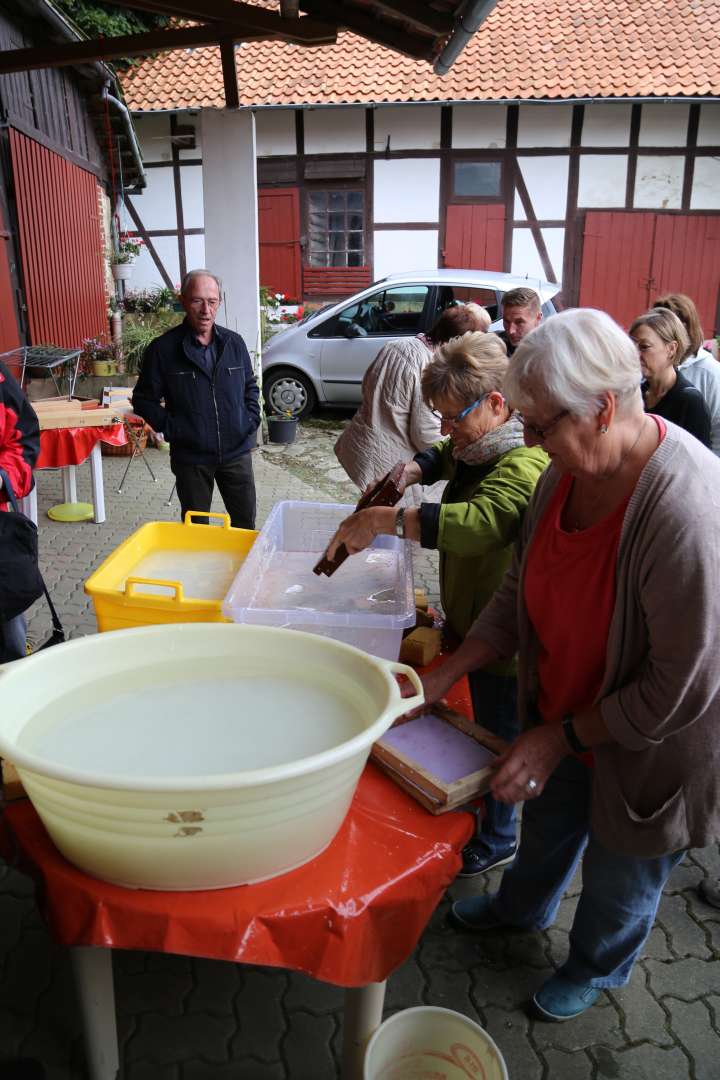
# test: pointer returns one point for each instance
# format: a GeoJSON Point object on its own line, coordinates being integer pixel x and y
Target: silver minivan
{"type": "Point", "coordinates": [322, 360]}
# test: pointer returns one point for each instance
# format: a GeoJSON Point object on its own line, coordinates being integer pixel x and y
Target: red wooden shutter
{"type": "Point", "coordinates": [9, 336]}
{"type": "Point", "coordinates": [279, 236]}
{"type": "Point", "coordinates": [616, 264]}
{"type": "Point", "coordinates": [686, 258]}
{"type": "Point", "coordinates": [61, 245]}
{"type": "Point", "coordinates": [475, 236]}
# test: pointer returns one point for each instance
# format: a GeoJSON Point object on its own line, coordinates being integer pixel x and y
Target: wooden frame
{"type": "Point", "coordinates": [435, 794]}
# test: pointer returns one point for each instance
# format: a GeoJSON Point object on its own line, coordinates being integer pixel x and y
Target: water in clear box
{"type": "Point", "coordinates": [204, 575]}
{"type": "Point", "coordinates": [365, 583]}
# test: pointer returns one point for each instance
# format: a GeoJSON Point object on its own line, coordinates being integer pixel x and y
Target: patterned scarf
{"type": "Point", "coordinates": [493, 444]}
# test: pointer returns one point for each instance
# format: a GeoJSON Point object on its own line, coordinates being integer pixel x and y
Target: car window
{"type": "Point", "coordinates": [388, 312]}
{"type": "Point", "coordinates": [452, 295]}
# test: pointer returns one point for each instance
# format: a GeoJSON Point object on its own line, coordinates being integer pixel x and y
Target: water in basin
{"type": "Point", "coordinates": [204, 575]}
{"type": "Point", "coordinates": [192, 723]}
{"type": "Point", "coordinates": [365, 583]}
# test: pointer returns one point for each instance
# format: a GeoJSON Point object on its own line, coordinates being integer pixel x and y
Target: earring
{"type": "Point", "coordinates": [603, 429]}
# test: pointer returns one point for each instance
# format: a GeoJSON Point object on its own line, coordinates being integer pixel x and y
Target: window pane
{"type": "Point", "coordinates": [338, 258]}
{"type": "Point", "coordinates": [355, 258]}
{"type": "Point", "coordinates": [355, 200]}
{"type": "Point", "coordinates": [355, 241]}
{"type": "Point", "coordinates": [355, 221]}
{"type": "Point", "coordinates": [337, 200]}
{"type": "Point", "coordinates": [336, 222]}
{"type": "Point", "coordinates": [477, 178]}
{"type": "Point", "coordinates": [318, 200]}
{"type": "Point", "coordinates": [318, 259]}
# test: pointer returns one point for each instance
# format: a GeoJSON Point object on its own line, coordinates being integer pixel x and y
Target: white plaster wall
{"type": "Point", "coordinates": [602, 179]}
{"type": "Point", "coordinates": [191, 188]}
{"type": "Point", "coordinates": [275, 132]}
{"type": "Point", "coordinates": [195, 252]}
{"type": "Point", "coordinates": [156, 205]}
{"type": "Point", "coordinates": [479, 126]}
{"type": "Point", "coordinates": [544, 125]}
{"type": "Point", "coordinates": [659, 182]}
{"type": "Point", "coordinates": [334, 131]}
{"type": "Point", "coordinates": [525, 257]}
{"type": "Point", "coordinates": [145, 273]}
{"type": "Point", "coordinates": [546, 179]}
{"type": "Point", "coordinates": [187, 120]}
{"type": "Point", "coordinates": [706, 184]}
{"type": "Point", "coordinates": [709, 126]}
{"type": "Point", "coordinates": [606, 124]}
{"type": "Point", "coordinates": [409, 127]}
{"type": "Point", "coordinates": [663, 125]}
{"type": "Point", "coordinates": [407, 249]}
{"type": "Point", "coordinates": [153, 134]}
{"type": "Point", "coordinates": [407, 190]}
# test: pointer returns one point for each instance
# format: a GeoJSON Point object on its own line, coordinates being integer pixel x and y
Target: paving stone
{"type": "Point", "coordinates": [693, 1025]}
{"type": "Point", "coordinates": [170, 1040]}
{"type": "Point", "coordinates": [686, 979]}
{"type": "Point", "coordinates": [599, 1024]}
{"type": "Point", "coordinates": [12, 911]}
{"type": "Point", "coordinates": [531, 949]}
{"type": "Point", "coordinates": [657, 945]}
{"type": "Point", "coordinates": [708, 859]}
{"type": "Point", "coordinates": [312, 995]}
{"type": "Point", "coordinates": [568, 1066]}
{"type": "Point", "coordinates": [245, 1069]}
{"type": "Point", "coordinates": [215, 983]}
{"type": "Point", "coordinates": [685, 876]}
{"type": "Point", "coordinates": [642, 1017]}
{"type": "Point", "coordinates": [306, 1048]}
{"type": "Point", "coordinates": [511, 989]}
{"type": "Point", "coordinates": [686, 938]}
{"type": "Point", "coordinates": [510, 1030]}
{"type": "Point", "coordinates": [450, 990]}
{"type": "Point", "coordinates": [644, 1062]}
{"type": "Point", "coordinates": [28, 972]}
{"type": "Point", "coordinates": [152, 991]}
{"type": "Point", "coordinates": [406, 987]}
{"type": "Point", "coordinates": [262, 1018]}
{"type": "Point", "coordinates": [143, 1071]}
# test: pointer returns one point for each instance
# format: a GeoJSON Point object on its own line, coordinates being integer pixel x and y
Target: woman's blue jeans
{"type": "Point", "coordinates": [620, 893]}
{"type": "Point", "coordinates": [494, 699]}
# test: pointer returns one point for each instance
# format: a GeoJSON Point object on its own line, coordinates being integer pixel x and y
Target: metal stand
{"type": "Point", "coordinates": [135, 434]}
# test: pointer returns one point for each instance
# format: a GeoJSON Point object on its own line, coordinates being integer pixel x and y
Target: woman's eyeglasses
{"type": "Point", "coordinates": [541, 433]}
{"type": "Point", "coordinates": [453, 420]}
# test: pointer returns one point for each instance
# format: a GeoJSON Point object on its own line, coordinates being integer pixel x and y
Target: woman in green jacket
{"type": "Point", "coordinates": [491, 475]}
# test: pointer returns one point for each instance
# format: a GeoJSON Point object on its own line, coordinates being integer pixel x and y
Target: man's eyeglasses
{"type": "Point", "coordinates": [541, 433]}
{"type": "Point", "coordinates": [198, 303]}
{"type": "Point", "coordinates": [461, 415]}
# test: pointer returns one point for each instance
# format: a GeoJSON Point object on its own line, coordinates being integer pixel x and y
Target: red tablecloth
{"type": "Point", "coordinates": [71, 446]}
{"type": "Point", "coordinates": [349, 917]}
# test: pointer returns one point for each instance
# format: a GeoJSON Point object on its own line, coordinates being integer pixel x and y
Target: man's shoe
{"type": "Point", "coordinates": [477, 860]}
{"type": "Point", "coordinates": [474, 913]}
{"type": "Point", "coordinates": [710, 892]}
{"type": "Point", "coordinates": [560, 999]}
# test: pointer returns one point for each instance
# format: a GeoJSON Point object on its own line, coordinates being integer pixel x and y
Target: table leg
{"type": "Point", "coordinates": [69, 482]}
{"type": "Point", "coordinates": [96, 478]}
{"type": "Point", "coordinates": [362, 1016]}
{"type": "Point", "coordinates": [28, 505]}
{"type": "Point", "coordinates": [96, 993]}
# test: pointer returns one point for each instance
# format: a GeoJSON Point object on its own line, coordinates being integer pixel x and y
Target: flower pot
{"type": "Point", "coordinates": [282, 429]}
{"type": "Point", "coordinates": [122, 271]}
{"type": "Point", "coordinates": [104, 367]}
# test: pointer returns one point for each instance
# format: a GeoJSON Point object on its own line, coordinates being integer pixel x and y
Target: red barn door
{"type": "Point", "coordinates": [474, 236]}
{"type": "Point", "coordinates": [279, 236]}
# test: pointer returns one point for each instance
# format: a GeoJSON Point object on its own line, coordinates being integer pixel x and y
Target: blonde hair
{"type": "Point", "coordinates": [573, 359]}
{"type": "Point", "coordinates": [668, 328]}
{"type": "Point", "coordinates": [465, 368]}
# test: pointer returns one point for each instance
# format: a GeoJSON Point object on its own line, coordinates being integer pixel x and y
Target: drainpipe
{"type": "Point", "coordinates": [473, 15]}
{"type": "Point", "coordinates": [129, 132]}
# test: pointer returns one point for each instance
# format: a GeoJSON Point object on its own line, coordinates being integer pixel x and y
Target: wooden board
{"type": "Point", "coordinates": [60, 413]}
{"type": "Point", "coordinates": [432, 785]}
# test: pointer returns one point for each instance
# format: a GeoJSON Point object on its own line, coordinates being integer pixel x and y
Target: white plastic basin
{"type": "Point", "coordinates": [195, 756]}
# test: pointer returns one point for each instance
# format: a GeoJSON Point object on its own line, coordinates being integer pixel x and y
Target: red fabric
{"type": "Point", "coordinates": [570, 597]}
{"type": "Point", "coordinates": [18, 436]}
{"type": "Point", "coordinates": [349, 917]}
{"type": "Point", "coordinates": [71, 446]}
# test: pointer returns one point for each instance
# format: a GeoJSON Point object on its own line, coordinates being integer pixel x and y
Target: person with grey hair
{"type": "Point", "coordinates": [197, 388]}
{"type": "Point", "coordinates": [612, 603]}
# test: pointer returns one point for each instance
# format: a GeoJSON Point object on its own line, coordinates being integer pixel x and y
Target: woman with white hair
{"type": "Point", "coordinates": [612, 603]}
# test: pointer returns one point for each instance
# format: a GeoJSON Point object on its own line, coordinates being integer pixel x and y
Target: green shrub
{"type": "Point", "coordinates": [140, 330]}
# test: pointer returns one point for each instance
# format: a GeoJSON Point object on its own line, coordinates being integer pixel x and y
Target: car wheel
{"type": "Point", "coordinates": [290, 391]}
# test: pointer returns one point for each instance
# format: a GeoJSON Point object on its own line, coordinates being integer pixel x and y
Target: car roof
{"type": "Point", "coordinates": [495, 280]}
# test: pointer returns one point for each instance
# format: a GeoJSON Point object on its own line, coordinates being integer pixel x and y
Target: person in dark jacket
{"type": "Point", "coordinates": [198, 389]}
{"type": "Point", "coordinates": [19, 449]}
{"type": "Point", "coordinates": [662, 343]}
{"type": "Point", "coordinates": [521, 312]}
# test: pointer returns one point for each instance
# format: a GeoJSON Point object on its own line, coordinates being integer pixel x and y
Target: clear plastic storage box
{"type": "Point", "coordinates": [368, 601]}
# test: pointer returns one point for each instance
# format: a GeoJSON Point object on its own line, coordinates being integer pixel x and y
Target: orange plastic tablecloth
{"type": "Point", "coordinates": [71, 446]}
{"type": "Point", "coordinates": [349, 917]}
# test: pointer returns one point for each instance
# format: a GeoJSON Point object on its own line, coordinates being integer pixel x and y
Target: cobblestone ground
{"type": "Point", "coordinates": [183, 1019]}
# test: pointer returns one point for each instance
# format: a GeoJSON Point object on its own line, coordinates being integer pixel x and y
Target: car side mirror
{"type": "Point", "coordinates": [354, 330]}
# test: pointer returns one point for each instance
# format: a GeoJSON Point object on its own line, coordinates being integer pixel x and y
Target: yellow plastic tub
{"type": "Point", "coordinates": [169, 572]}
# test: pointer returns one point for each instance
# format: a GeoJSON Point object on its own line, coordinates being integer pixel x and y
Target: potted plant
{"type": "Point", "coordinates": [282, 427]}
{"type": "Point", "coordinates": [97, 358]}
{"type": "Point", "coordinates": [122, 259]}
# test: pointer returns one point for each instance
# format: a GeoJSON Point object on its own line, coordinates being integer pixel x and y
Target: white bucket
{"type": "Point", "coordinates": [428, 1043]}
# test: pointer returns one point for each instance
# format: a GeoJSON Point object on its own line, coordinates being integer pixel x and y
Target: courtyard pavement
{"type": "Point", "coordinates": [189, 1019]}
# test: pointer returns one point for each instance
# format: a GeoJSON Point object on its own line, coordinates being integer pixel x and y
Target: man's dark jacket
{"type": "Point", "coordinates": [207, 420]}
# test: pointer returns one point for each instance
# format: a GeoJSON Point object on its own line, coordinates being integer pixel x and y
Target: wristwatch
{"type": "Point", "coordinates": [400, 523]}
{"type": "Point", "coordinates": [571, 735]}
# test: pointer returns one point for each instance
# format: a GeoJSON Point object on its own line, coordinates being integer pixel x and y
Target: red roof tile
{"type": "Point", "coordinates": [557, 49]}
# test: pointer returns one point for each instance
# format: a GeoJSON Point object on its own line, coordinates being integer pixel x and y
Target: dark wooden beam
{"type": "Point", "coordinates": [57, 55]}
{"type": "Point", "coordinates": [350, 19]}
{"type": "Point", "coordinates": [227, 57]}
{"type": "Point", "coordinates": [421, 16]}
{"type": "Point", "coordinates": [289, 9]}
{"type": "Point", "coordinates": [224, 11]}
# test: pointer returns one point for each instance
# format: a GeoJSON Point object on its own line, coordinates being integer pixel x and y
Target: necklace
{"type": "Point", "coordinates": [602, 480]}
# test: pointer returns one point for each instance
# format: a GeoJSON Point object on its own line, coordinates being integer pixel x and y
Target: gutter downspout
{"type": "Point", "coordinates": [473, 15]}
{"type": "Point", "coordinates": [130, 133]}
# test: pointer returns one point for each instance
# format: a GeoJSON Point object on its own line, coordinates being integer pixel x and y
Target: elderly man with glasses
{"type": "Point", "coordinates": [197, 387]}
